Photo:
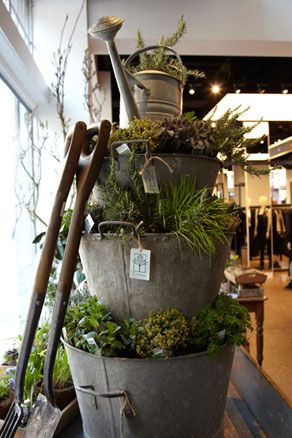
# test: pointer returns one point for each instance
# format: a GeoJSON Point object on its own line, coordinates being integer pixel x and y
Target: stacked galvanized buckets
{"type": "Point", "coordinates": [153, 398]}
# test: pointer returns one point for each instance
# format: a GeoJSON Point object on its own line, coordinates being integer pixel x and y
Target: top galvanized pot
{"type": "Point", "coordinates": [165, 98]}
{"type": "Point", "coordinates": [203, 171]}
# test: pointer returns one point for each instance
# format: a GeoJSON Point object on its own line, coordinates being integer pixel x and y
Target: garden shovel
{"type": "Point", "coordinates": [73, 150]}
{"type": "Point", "coordinates": [45, 416]}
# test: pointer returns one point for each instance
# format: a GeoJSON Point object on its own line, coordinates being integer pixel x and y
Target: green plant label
{"type": "Point", "coordinates": [88, 223]}
{"type": "Point", "coordinates": [140, 264]}
{"type": "Point", "coordinates": [150, 180]}
{"type": "Point", "coordinates": [123, 149]}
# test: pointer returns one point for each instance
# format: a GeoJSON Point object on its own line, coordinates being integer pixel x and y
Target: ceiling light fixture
{"type": "Point", "coordinates": [191, 90]}
{"type": "Point", "coordinates": [238, 91]}
{"type": "Point", "coordinates": [215, 89]}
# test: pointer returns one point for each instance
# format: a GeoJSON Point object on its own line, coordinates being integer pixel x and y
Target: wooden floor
{"type": "Point", "coordinates": [277, 332]}
{"type": "Point", "coordinates": [238, 421]}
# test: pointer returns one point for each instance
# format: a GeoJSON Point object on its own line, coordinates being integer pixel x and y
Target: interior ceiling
{"type": "Point", "coordinates": [249, 74]}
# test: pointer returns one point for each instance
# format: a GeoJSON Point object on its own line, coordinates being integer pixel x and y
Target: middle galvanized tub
{"type": "Point", "coordinates": [179, 277]}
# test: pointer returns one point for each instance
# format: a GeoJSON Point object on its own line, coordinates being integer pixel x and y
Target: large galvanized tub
{"type": "Point", "coordinates": [179, 277]}
{"type": "Point", "coordinates": [181, 397]}
{"type": "Point", "coordinates": [202, 170]}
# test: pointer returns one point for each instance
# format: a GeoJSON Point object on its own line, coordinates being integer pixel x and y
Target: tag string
{"type": "Point", "coordinates": [137, 235]}
{"type": "Point", "coordinates": [149, 160]}
{"type": "Point", "coordinates": [125, 409]}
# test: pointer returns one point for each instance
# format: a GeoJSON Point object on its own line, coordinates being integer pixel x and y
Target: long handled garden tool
{"type": "Point", "coordinates": [45, 416]}
{"type": "Point", "coordinates": [73, 149]}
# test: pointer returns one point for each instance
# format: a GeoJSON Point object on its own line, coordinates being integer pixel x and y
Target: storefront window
{"type": "Point", "coordinates": [16, 225]}
{"type": "Point", "coordinates": [21, 14]}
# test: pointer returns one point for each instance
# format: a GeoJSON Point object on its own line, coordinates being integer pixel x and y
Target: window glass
{"type": "Point", "coordinates": [16, 226]}
{"type": "Point", "coordinates": [21, 14]}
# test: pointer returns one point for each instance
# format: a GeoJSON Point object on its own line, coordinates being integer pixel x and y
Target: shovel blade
{"type": "Point", "coordinates": [43, 420]}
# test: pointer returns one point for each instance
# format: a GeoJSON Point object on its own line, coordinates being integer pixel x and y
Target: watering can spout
{"type": "Point", "coordinates": [106, 29]}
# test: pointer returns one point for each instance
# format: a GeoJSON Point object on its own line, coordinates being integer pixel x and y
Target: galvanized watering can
{"type": "Point", "coordinates": [152, 94]}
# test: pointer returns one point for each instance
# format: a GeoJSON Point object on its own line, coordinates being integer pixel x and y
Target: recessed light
{"type": "Point", "coordinates": [285, 91]}
{"type": "Point", "coordinates": [215, 89]}
{"type": "Point", "coordinates": [238, 91]}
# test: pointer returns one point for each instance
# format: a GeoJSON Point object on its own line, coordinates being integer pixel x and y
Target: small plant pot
{"type": "Point", "coordinates": [159, 398]}
{"type": "Point", "coordinates": [179, 277]}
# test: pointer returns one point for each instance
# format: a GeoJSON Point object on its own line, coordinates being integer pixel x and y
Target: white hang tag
{"type": "Point", "coordinates": [88, 224]}
{"type": "Point", "coordinates": [221, 334]}
{"type": "Point", "coordinates": [64, 333]}
{"type": "Point", "coordinates": [150, 180]}
{"type": "Point", "coordinates": [123, 149]}
{"type": "Point", "coordinates": [140, 264]}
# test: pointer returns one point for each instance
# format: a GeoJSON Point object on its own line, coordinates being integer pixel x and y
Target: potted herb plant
{"type": "Point", "coordinates": [64, 388]}
{"type": "Point", "coordinates": [5, 395]}
{"type": "Point", "coordinates": [183, 227]}
{"type": "Point", "coordinates": [165, 372]}
{"type": "Point", "coordinates": [180, 145]}
{"type": "Point", "coordinates": [160, 69]}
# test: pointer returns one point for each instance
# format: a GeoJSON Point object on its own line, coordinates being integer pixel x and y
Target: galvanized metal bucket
{"type": "Point", "coordinates": [179, 277]}
{"type": "Point", "coordinates": [158, 95]}
{"type": "Point", "coordinates": [165, 95]}
{"type": "Point", "coordinates": [202, 170]}
{"type": "Point", "coordinates": [180, 397]}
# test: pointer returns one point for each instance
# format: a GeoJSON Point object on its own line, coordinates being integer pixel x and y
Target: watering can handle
{"type": "Point", "coordinates": [117, 223]}
{"type": "Point", "coordinates": [145, 92]}
{"type": "Point", "coordinates": [145, 49]}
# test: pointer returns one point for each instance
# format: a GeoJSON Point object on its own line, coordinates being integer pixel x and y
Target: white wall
{"type": "Point", "coordinates": [225, 27]}
{"type": "Point", "coordinates": [49, 17]}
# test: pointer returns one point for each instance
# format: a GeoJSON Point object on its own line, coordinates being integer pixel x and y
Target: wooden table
{"type": "Point", "coordinates": [256, 305]}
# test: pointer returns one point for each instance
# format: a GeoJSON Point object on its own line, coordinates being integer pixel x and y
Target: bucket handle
{"type": "Point", "coordinates": [127, 408]}
{"type": "Point", "coordinates": [139, 140]}
{"type": "Point", "coordinates": [117, 223]}
{"type": "Point", "coordinates": [145, 49]}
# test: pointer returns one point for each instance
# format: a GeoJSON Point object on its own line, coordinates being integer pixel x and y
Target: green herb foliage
{"type": "Point", "coordinates": [194, 215]}
{"type": "Point", "coordinates": [89, 327]}
{"type": "Point", "coordinates": [35, 366]}
{"type": "Point", "coordinates": [160, 59]}
{"type": "Point", "coordinates": [224, 314]}
{"type": "Point", "coordinates": [4, 387]}
{"type": "Point", "coordinates": [163, 334]}
{"type": "Point", "coordinates": [187, 134]}
{"type": "Point", "coordinates": [146, 129]}
{"type": "Point", "coordinates": [189, 213]}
